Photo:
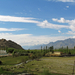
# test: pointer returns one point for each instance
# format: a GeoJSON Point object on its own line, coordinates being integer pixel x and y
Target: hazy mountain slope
{"type": "Point", "coordinates": [58, 44]}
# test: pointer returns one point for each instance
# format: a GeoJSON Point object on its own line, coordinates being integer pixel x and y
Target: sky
{"type": "Point", "coordinates": [35, 22]}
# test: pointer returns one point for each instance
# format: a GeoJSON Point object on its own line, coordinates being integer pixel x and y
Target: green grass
{"type": "Point", "coordinates": [50, 65]}
{"type": "Point", "coordinates": [8, 64]}
{"type": "Point", "coordinates": [2, 71]}
{"type": "Point", "coordinates": [46, 72]}
{"type": "Point", "coordinates": [12, 60]}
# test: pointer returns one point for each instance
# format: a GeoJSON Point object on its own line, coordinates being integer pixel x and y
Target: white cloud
{"type": "Point", "coordinates": [66, 0]}
{"type": "Point", "coordinates": [11, 29]}
{"type": "Point", "coordinates": [17, 19]}
{"type": "Point", "coordinates": [70, 33]}
{"type": "Point", "coordinates": [71, 23]}
{"type": "Point", "coordinates": [59, 31]}
{"type": "Point", "coordinates": [73, 36]}
{"type": "Point", "coordinates": [62, 20]}
{"type": "Point", "coordinates": [72, 27]}
{"type": "Point", "coordinates": [30, 40]}
{"type": "Point", "coordinates": [67, 6]}
{"type": "Point", "coordinates": [63, 0]}
{"type": "Point", "coordinates": [46, 24]}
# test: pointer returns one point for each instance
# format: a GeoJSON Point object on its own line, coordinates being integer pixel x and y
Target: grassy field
{"type": "Point", "coordinates": [8, 64]}
{"type": "Point", "coordinates": [12, 60]}
{"type": "Point", "coordinates": [60, 65]}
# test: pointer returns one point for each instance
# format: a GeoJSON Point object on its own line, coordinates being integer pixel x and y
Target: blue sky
{"type": "Point", "coordinates": [35, 22]}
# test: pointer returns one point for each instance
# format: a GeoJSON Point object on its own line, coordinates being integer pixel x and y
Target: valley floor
{"type": "Point", "coordinates": [60, 65]}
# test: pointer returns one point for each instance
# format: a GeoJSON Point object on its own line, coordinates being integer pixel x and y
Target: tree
{"type": "Point", "coordinates": [13, 54]}
{"type": "Point", "coordinates": [46, 49]}
{"type": "Point", "coordinates": [6, 47]}
{"type": "Point", "coordinates": [67, 49]}
{"type": "Point", "coordinates": [62, 47]}
{"type": "Point", "coordinates": [10, 50]}
{"type": "Point", "coordinates": [41, 48]}
{"type": "Point", "coordinates": [51, 49]}
{"type": "Point", "coordinates": [74, 47]}
{"type": "Point", "coordinates": [24, 59]}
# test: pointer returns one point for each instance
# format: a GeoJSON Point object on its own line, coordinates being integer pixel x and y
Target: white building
{"type": "Point", "coordinates": [3, 52]}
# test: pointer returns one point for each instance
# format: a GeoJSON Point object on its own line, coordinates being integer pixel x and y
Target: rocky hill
{"type": "Point", "coordinates": [8, 43]}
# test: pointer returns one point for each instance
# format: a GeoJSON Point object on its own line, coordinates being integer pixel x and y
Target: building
{"type": "Point", "coordinates": [3, 52]}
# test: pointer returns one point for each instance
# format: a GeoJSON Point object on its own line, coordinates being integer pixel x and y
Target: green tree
{"type": "Point", "coordinates": [46, 49]}
{"type": "Point", "coordinates": [51, 49]}
{"type": "Point", "coordinates": [13, 54]}
{"type": "Point", "coordinates": [24, 60]}
{"type": "Point", "coordinates": [10, 50]}
{"type": "Point", "coordinates": [62, 47]}
{"type": "Point", "coordinates": [67, 49]}
{"type": "Point", "coordinates": [74, 47]}
{"type": "Point", "coordinates": [41, 48]}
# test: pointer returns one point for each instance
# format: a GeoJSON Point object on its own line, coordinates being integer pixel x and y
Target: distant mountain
{"type": "Point", "coordinates": [26, 47]}
{"type": "Point", "coordinates": [58, 44]}
{"type": "Point", "coordinates": [37, 46]}
{"type": "Point", "coordinates": [10, 44]}
{"type": "Point", "coordinates": [63, 43]}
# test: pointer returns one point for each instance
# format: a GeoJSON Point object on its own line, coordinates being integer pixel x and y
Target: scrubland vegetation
{"type": "Point", "coordinates": [38, 62]}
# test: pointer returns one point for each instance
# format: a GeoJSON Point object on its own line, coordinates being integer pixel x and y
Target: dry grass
{"type": "Point", "coordinates": [63, 65]}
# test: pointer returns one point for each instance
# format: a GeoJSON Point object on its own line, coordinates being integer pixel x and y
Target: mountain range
{"type": "Point", "coordinates": [58, 44]}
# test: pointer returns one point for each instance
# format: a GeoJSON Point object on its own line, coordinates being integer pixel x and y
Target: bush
{"type": "Point", "coordinates": [0, 62]}
{"type": "Point", "coordinates": [10, 50]}
{"type": "Point", "coordinates": [33, 57]}
{"type": "Point", "coordinates": [47, 55]}
{"type": "Point", "coordinates": [4, 71]}
{"type": "Point", "coordinates": [46, 72]}
{"type": "Point", "coordinates": [24, 60]}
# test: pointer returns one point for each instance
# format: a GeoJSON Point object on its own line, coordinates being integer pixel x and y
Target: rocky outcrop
{"type": "Point", "coordinates": [9, 44]}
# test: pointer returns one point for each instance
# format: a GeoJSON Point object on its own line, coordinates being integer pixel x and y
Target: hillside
{"type": "Point", "coordinates": [58, 44]}
{"type": "Point", "coordinates": [10, 44]}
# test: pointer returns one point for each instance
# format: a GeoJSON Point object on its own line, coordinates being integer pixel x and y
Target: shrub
{"type": "Point", "coordinates": [32, 57]}
{"type": "Point", "coordinates": [5, 71]}
{"type": "Point", "coordinates": [0, 62]}
{"type": "Point", "coordinates": [10, 50]}
{"type": "Point", "coordinates": [46, 72]}
{"type": "Point", "coordinates": [24, 60]}
{"type": "Point", "coordinates": [47, 55]}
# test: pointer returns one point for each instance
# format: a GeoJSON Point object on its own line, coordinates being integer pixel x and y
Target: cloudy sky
{"type": "Point", "coordinates": [35, 22]}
